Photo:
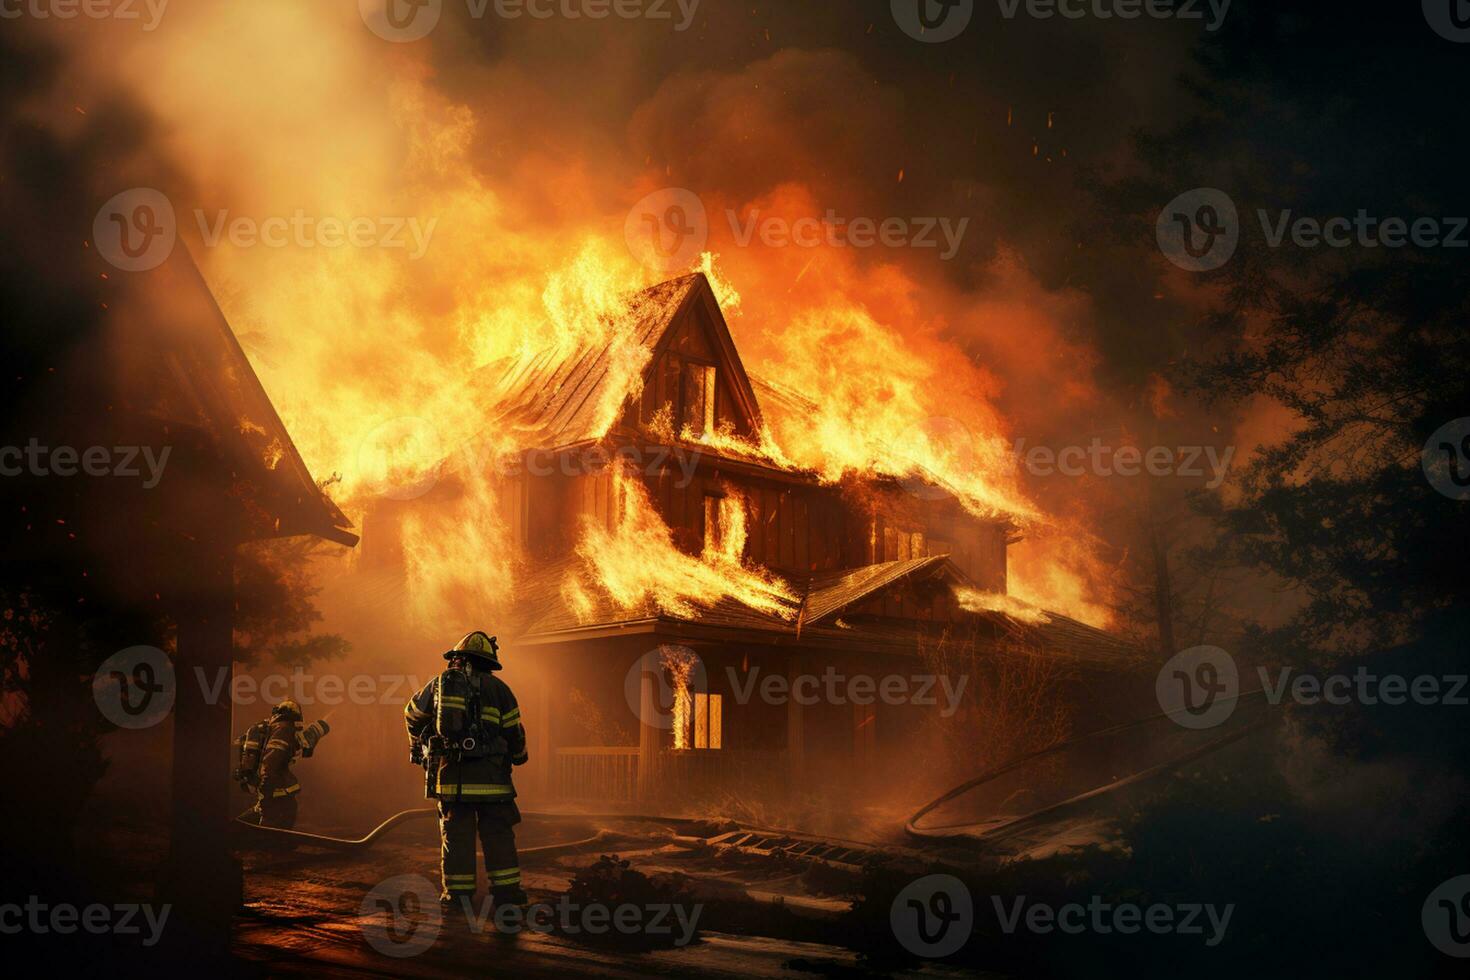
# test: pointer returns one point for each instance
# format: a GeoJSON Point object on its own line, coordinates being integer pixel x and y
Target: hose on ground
{"type": "Point", "coordinates": [421, 813]}
{"type": "Point", "coordinates": [968, 829]}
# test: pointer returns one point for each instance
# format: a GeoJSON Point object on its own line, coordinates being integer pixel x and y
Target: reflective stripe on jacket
{"type": "Point", "coordinates": [281, 746]}
{"type": "Point", "coordinates": [478, 780]}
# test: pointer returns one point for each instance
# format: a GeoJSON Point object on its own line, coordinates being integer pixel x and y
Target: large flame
{"type": "Point", "coordinates": [382, 364]}
{"type": "Point", "coordinates": [872, 410]}
{"type": "Point", "coordinates": [637, 563]}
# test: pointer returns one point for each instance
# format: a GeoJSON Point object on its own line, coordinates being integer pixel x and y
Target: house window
{"type": "Point", "coordinates": [709, 721]}
{"type": "Point", "coordinates": [699, 399]}
{"type": "Point", "coordinates": [712, 536]}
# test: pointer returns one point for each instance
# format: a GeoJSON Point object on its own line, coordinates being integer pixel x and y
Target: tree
{"type": "Point", "coordinates": [1361, 348]}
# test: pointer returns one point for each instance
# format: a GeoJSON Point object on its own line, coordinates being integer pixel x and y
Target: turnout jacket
{"type": "Point", "coordinates": [269, 748]}
{"type": "Point", "coordinates": [483, 776]}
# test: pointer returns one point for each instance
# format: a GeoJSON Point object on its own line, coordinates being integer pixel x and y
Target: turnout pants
{"type": "Point", "coordinates": [277, 811]}
{"type": "Point", "coordinates": [495, 824]}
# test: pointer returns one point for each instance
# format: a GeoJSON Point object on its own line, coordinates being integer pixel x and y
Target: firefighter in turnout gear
{"type": "Point", "coordinates": [267, 750]}
{"type": "Point", "coordinates": [465, 728]}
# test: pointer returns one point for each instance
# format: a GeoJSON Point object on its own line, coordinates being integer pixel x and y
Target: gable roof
{"type": "Point", "coordinates": [1076, 639]}
{"type": "Point", "coordinates": [204, 379]}
{"type": "Point", "coordinates": [554, 398]}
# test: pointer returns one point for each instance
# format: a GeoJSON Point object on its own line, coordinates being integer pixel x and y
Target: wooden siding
{"type": "Point", "coordinates": [690, 340]}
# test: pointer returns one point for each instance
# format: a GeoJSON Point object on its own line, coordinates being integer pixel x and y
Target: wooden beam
{"type": "Point", "coordinates": [649, 735]}
{"type": "Point", "coordinates": [201, 878]}
{"type": "Point", "coordinates": [796, 665]}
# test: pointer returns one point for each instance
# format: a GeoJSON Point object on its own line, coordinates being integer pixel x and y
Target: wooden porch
{"type": "Point", "coordinates": [610, 773]}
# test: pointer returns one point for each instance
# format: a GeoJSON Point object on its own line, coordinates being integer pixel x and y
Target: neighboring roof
{"type": "Point", "coordinates": [1077, 639]}
{"type": "Point", "coordinates": [545, 616]}
{"type": "Point", "coordinates": [214, 387]}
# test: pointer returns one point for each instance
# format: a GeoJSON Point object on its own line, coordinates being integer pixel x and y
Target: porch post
{"type": "Point", "coordinates": [201, 878]}
{"type": "Point", "coordinates": [795, 723]}
{"type": "Point", "coordinates": [543, 749]}
{"type": "Point", "coordinates": [648, 738]}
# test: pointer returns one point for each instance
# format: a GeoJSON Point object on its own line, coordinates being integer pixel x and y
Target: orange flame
{"type": "Point", "coordinates": [876, 414]}
{"type": "Point", "coordinates": [638, 564]}
{"type": "Point", "coordinates": [975, 600]}
{"type": "Point", "coordinates": [680, 664]}
{"type": "Point", "coordinates": [380, 364]}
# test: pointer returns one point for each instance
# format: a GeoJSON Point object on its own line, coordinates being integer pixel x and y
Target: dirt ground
{"type": "Point", "coordinates": [303, 912]}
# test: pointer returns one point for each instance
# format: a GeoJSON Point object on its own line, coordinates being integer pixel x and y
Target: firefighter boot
{"type": "Point", "coordinates": [277, 811]}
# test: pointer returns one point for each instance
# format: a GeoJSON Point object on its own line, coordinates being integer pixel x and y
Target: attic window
{"type": "Point", "coordinates": [699, 399]}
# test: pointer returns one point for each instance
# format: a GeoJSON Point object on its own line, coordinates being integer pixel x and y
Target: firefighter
{"type": "Point", "coordinates": [465, 729]}
{"type": "Point", "coordinates": [267, 750]}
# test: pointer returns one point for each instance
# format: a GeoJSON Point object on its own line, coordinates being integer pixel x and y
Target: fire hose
{"type": "Point", "coordinates": [423, 813]}
{"type": "Point", "coordinates": [991, 829]}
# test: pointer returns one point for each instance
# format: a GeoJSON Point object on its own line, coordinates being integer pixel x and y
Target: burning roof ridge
{"type": "Point", "coordinates": [527, 355]}
{"type": "Point", "coordinates": [547, 390]}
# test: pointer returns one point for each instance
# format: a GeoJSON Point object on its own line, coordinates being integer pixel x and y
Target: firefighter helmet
{"type": "Point", "coordinates": [480, 646]}
{"type": "Point", "coordinates": [288, 709]}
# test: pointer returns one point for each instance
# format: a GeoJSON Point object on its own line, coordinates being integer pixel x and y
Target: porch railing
{"type": "Point", "coordinates": [596, 772]}
{"type": "Point", "coordinates": [610, 772]}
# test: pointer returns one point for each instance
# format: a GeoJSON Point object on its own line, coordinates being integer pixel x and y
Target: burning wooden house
{"type": "Point", "coordinates": [699, 614]}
